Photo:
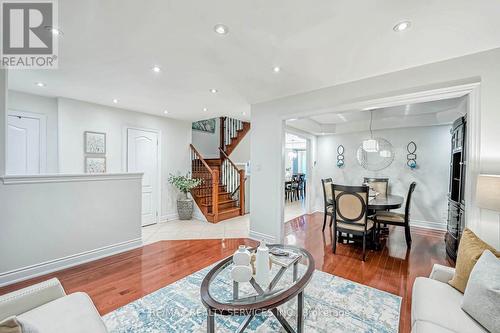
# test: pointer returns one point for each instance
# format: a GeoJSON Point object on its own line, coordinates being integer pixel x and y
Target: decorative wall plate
{"type": "Point", "coordinates": [340, 156]}
{"type": "Point", "coordinates": [411, 156]}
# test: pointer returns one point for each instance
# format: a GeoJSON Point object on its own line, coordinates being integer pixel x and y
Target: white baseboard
{"type": "Point", "coordinates": [428, 225]}
{"type": "Point", "coordinates": [175, 216]}
{"type": "Point", "coordinates": [32, 271]}
{"type": "Point", "coordinates": [169, 217]}
{"type": "Point", "coordinates": [258, 236]}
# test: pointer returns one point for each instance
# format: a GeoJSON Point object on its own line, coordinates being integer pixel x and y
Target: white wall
{"type": "Point", "coordinates": [76, 117]}
{"type": "Point", "coordinates": [267, 126]}
{"type": "Point", "coordinates": [241, 154]}
{"type": "Point", "coordinates": [47, 106]}
{"type": "Point", "coordinates": [3, 119]}
{"type": "Point", "coordinates": [59, 221]}
{"type": "Point", "coordinates": [207, 144]}
{"type": "Point", "coordinates": [429, 204]}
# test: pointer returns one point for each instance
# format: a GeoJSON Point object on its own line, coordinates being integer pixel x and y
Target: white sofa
{"type": "Point", "coordinates": [45, 308]}
{"type": "Point", "coordinates": [436, 306]}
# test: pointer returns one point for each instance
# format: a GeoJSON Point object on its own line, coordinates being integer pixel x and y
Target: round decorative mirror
{"type": "Point", "coordinates": [378, 158]}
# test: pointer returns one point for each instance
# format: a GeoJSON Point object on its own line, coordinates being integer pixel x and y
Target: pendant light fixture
{"type": "Point", "coordinates": [371, 145]}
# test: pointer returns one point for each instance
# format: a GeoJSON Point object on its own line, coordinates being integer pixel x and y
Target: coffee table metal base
{"type": "Point", "coordinates": [286, 325]}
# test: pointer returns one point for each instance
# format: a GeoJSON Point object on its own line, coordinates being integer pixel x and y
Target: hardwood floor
{"type": "Point", "coordinates": [392, 269]}
{"type": "Point", "coordinates": [117, 280]}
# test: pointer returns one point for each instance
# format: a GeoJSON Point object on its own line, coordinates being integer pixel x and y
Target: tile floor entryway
{"type": "Point", "coordinates": [294, 209]}
{"type": "Point", "coordinates": [237, 227]}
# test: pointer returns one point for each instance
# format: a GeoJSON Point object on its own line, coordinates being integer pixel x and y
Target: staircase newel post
{"type": "Point", "coordinates": [215, 194]}
{"type": "Point", "coordinates": [242, 191]}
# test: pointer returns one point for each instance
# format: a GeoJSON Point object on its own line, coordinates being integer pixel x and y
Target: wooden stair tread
{"type": "Point", "coordinates": [221, 202]}
{"type": "Point", "coordinates": [209, 195]}
{"type": "Point", "coordinates": [205, 187]}
{"type": "Point", "coordinates": [229, 210]}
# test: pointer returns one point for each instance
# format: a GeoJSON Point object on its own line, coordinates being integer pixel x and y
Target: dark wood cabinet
{"type": "Point", "coordinates": [456, 195]}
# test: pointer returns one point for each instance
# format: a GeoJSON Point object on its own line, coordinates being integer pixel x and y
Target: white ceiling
{"type": "Point", "coordinates": [433, 113]}
{"type": "Point", "coordinates": [109, 47]}
{"type": "Point", "coordinates": [293, 141]}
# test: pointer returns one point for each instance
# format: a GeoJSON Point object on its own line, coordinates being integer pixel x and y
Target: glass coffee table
{"type": "Point", "coordinates": [223, 296]}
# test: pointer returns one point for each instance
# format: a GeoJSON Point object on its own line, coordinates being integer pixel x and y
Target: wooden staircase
{"type": "Point", "coordinates": [221, 195]}
{"type": "Point", "coordinates": [232, 131]}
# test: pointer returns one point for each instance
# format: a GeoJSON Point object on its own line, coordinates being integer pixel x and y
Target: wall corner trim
{"type": "Point", "coordinates": [258, 236]}
{"type": "Point", "coordinates": [64, 178]}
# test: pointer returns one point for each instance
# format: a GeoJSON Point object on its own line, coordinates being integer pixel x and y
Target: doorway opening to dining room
{"type": "Point", "coordinates": [296, 174]}
{"type": "Point", "coordinates": [403, 139]}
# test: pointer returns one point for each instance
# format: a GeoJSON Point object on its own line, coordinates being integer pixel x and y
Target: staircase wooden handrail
{"type": "Point", "coordinates": [201, 159]}
{"type": "Point", "coordinates": [224, 155]}
{"type": "Point", "coordinates": [209, 188]}
{"type": "Point", "coordinates": [240, 187]}
{"type": "Point", "coordinates": [232, 131]}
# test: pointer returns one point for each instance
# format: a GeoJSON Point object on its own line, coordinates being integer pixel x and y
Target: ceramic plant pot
{"type": "Point", "coordinates": [185, 207]}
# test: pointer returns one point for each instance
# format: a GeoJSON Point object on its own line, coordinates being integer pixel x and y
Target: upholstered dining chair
{"type": "Point", "coordinates": [397, 219]}
{"type": "Point", "coordinates": [301, 188]}
{"type": "Point", "coordinates": [328, 199]}
{"type": "Point", "coordinates": [381, 185]}
{"type": "Point", "coordinates": [350, 214]}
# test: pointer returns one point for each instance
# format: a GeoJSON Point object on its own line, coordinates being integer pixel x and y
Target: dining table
{"type": "Point", "coordinates": [385, 202]}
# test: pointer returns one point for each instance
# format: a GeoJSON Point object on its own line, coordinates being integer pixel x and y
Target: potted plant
{"type": "Point", "coordinates": [185, 184]}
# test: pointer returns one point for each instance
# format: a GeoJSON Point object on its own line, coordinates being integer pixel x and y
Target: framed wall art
{"type": "Point", "coordinates": [95, 164]}
{"type": "Point", "coordinates": [94, 142]}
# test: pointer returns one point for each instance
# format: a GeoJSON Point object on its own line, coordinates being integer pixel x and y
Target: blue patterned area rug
{"type": "Point", "coordinates": [331, 304]}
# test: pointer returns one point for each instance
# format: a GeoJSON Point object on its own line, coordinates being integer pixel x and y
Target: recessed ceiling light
{"type": "Point", "coordinates": [40, 84]}
{"type": "Point", "coordinates": [156, 69]}
{"type": "Point", "coordinates": [292, 119]}
{"type": "Point", "coordinates": [221, 29]}
{"type": "Point", "coordinates": [54, 30]}
{"type": "Point", "coordinates": [276, 69]}
{"type": "Point", "coordinates": [214, 91]}
{"type": "Point", "coordinates": [115, 101]}
{"type": "Point", "coordinates": [165, 112]}
{"type": "Point", "coordinates": [403, 25]}
{"type": "Point", "coordinates": [205, 109]}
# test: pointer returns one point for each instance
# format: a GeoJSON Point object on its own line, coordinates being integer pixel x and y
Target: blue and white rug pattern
{"type": "Point", "coordinates": [331, 304]}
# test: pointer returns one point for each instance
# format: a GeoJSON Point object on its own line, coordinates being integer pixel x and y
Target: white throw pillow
{"type": "Point", "coordinates": [482, 295]}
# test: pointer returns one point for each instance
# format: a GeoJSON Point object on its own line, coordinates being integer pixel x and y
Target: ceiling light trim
{"type": "Point", "coordinates": [402, 26]}
{"type": "Point", "coordinates": [221, 29]}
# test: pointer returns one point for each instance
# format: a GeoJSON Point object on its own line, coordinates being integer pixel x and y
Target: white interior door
{"type": "Point", "coordinates": [142, 156]}
{"type": "Point", "coordinates": [24, 149]}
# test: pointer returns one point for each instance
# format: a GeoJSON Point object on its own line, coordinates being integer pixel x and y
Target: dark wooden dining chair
{"type": "Point", "coordinates": [350, 214]}
{"type": "Point", "coordinates": [328, 200]}
{"type": "Point", "coordinates": [295, 186]}
{"type": "Point", "coordinates": [290, 191]}
{"type": "Point", "coordinates": [301, 188]}
{"type": "Point", "coordinates": [397, 219]}
{"type": "Point", "coordinates": [380, 185]}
